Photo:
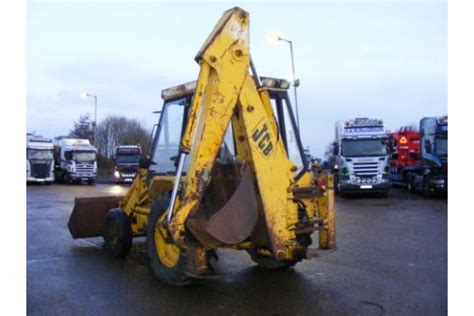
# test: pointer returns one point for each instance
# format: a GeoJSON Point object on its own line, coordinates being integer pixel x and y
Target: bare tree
{"type": "Point", "coordinates": [119, 130]}
{"type": "Point", "coordinates": [329, 154]}
{"type": "Point", "coordinates": [83, 128]}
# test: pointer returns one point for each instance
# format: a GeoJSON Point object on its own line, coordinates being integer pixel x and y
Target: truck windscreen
{"type": "Point", "coordinates": [40, 154]}
{"type": "Point", "coordinates": [128, 159]}
{"type": "Point", "coordinates": [363, 147]}
{"type": "Point", "coordinates": [441, 146]}
{"type": "Point", "coordinates": [83, 156]}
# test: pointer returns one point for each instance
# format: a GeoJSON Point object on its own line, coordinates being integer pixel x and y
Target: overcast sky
{"type": "Point", "coordinates": [372, 58]}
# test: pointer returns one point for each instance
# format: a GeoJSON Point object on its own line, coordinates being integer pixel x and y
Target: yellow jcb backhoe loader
{"type": "Point", "coordinates": [226, 170]}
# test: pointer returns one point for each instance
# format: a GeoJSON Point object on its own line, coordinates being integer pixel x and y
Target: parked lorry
{"type": "Point", "coordinates": [39, 159]}
{"type": "Point", "coordinates": [126, 160]}
{"type": "Point", "coordinates": [225, 171]}
{"type": "Point", "coordinates": [75, 160]}
{"type": "Point", "coordinates": [361, 157]}
{"type": "Point", "coordinates": [403, 147]}
{"type": "Point", "coordinates": [430, 174]}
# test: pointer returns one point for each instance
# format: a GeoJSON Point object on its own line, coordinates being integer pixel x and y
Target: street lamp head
{"type": "Point", "coordinates": [274, 37]}
{"type": "Point", "coordinates": [84, 95]}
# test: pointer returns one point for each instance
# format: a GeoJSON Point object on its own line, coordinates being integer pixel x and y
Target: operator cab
{"type": "Point", "coordinates": [172, 122]}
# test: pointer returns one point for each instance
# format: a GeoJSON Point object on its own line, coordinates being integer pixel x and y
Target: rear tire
{"type": "Point", "coordinates": [117, 233]}
{"type": "Point", "coordinates": [168, 262]}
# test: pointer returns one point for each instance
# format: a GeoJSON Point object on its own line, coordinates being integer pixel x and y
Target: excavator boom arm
{"type": "Point", "coordinates": [226, 92]}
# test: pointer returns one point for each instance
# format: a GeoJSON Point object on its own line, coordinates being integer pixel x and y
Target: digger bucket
{"type": "Point", "coordinates": [87, 217]}
{"type": "Point", "coordinates": [235, 220]}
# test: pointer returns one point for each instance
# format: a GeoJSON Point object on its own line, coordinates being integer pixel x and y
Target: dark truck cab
{"type": "Point", "coordinates": [126, 162]}
{"type": "Point", "coordinates": [430, 175]}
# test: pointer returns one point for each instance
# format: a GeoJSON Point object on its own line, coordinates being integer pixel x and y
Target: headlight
{"type": "Point", "coordinates": [386, 169]}
{"type": "Point", "coordinates": [116, 174]}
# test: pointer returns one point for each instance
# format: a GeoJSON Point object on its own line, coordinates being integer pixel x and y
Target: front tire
{"type": "Point", "coordinates": [410, 184]}
{"type": "Point", "coordinates": [167, 260]}
{"type": "Point", "coordinates": [337, 185]}
{"type": "Point", "coordinates": [426, 188]}
{"type": "Point", "coordinates": [117, 233]}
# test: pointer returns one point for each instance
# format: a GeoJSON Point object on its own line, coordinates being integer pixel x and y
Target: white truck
{"type": "Point", "coordinates": [75, 160]}
{"type": "Point", "coordinates": [361, 157]}
{"type": "Point", "coordinates": [39, 159]}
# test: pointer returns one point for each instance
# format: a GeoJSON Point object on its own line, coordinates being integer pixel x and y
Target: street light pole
{"type": "Point", "coordinates": [276, 37]}
{"type": "Point", "coordinates": [95, 116]}
{"type": "Point", "coordinates": [85, 95]}
{"type": "Point", "coordinates": [295, 81]}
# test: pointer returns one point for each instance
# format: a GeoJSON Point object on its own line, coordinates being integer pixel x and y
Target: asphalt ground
{"type": "Point", "coordinates": [391, 260]}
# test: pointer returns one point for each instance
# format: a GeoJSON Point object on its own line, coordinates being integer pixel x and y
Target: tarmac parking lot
{"type": "Point", "coordinates": [391, 259]}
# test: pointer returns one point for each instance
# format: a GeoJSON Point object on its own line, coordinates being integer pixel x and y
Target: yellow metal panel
{"type": "Point", "coordinates": [327, 235]}
{"type": "Point", "coordinates": [271, 166]}
{"type": "Point", "coordinates": [226, 55]}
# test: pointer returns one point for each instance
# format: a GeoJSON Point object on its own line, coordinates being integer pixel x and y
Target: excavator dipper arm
{"type": "Point", "coordinates": [225, 93]}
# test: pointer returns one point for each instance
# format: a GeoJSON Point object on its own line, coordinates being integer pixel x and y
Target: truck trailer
{"type": "Point", "coordinates": [404, 150]}
{"type": "Point", "coordinates": [75, 160]}
{"type": "Point", "coordinates": [126, 162]}
{"type": "Point", "coordinates": [361, 157]}
{"type": "Point", "coordinates": [39, 159]}
{"type": "Point", "coordinates": [429, 174]}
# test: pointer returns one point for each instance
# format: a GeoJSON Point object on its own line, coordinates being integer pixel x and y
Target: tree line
{"type": "Point", "coordinates": [113, 130]}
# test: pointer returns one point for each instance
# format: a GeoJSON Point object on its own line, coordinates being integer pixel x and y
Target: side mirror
{"type": "Point", "coordinates": [335, 149]}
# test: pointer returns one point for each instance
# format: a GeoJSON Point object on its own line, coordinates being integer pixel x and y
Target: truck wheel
{"type": "Point", "coordinates": [68, 179]}
{"type": "Point", "coordinates": [426, 189]}
{"type": "Point", "coordinates": [117, 233]}
{"type": "Point", "coordinates": [167, 260]}
{"type": "Point", "coordinates": [336, 186]}
{"type": "Point", "coordinates": [342, 194]}
{"type": "Point", "coordinates": [410, 185]}
{"type": "Point", "coordinates": [384, 194]}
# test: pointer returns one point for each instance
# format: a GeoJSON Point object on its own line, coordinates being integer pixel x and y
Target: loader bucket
{"type": "Point", "coordinates": [87, 217]}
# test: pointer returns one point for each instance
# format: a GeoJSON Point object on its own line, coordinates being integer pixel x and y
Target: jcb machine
{"type": "Point", "coordinates": [226, 170]}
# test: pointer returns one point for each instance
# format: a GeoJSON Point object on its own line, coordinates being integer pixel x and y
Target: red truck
{"type": "Point", "coordinates": [404, 149]}
{"type": "Point", "coordinates": [126, 162]}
